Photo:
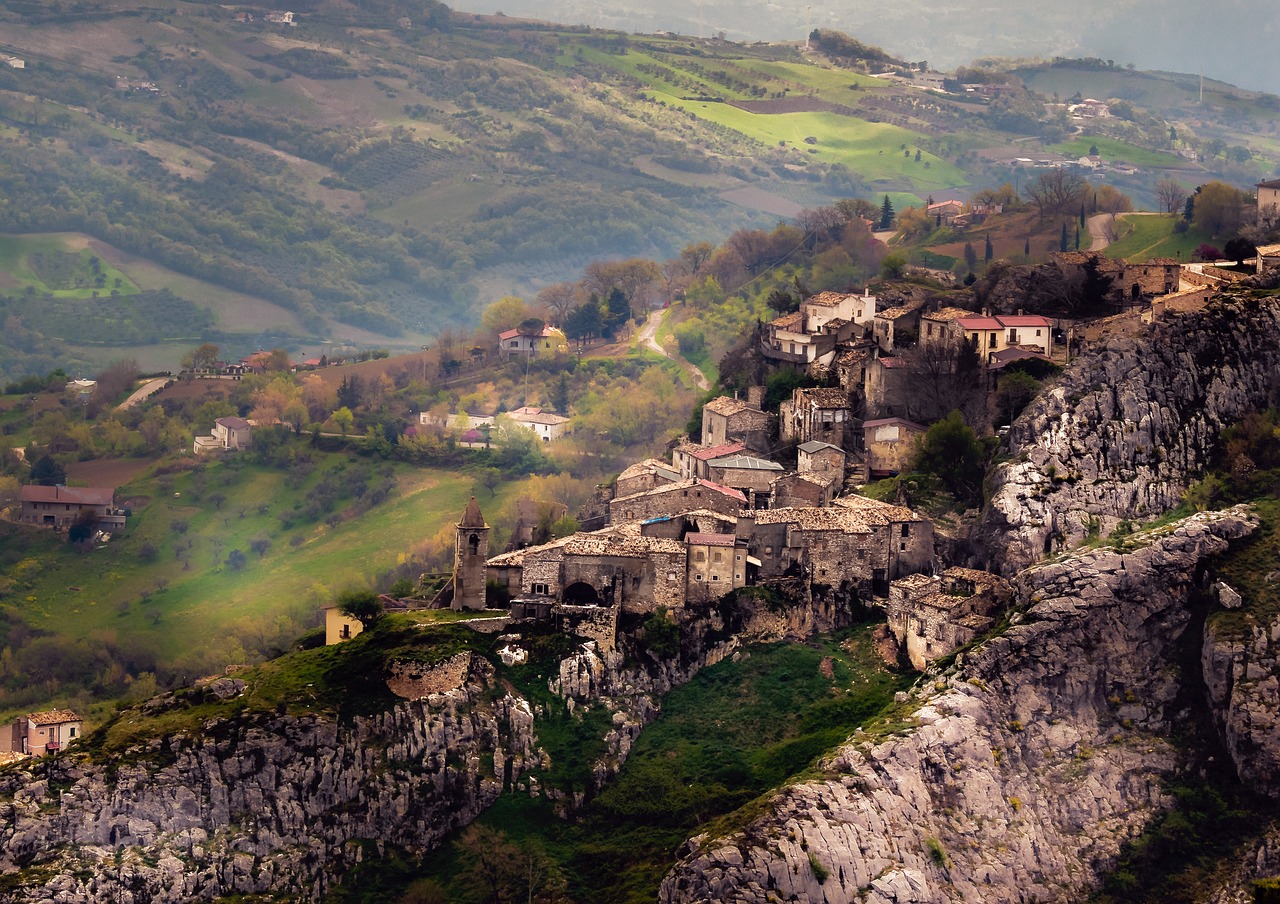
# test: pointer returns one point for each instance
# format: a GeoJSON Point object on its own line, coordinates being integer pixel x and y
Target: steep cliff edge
{"type": "Point", "coordinates": [1019, 775]}
{"type": "Point", "coordinates": [1125, 430]}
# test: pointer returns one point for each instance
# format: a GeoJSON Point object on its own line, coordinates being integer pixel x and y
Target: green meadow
{"type": "Point", "coordinates": [1113, 150]}
{"type": "Point", "coordinates": [1145, 237]}
{"type": "Point", "coordinates": [59, 264]}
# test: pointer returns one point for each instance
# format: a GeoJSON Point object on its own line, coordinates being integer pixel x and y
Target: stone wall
{"type": "Point", "coordinates": [419, 680]}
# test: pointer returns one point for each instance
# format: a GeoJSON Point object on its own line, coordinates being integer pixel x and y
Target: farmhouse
{"type": "Point", "coordinates": [60, 507]}
{"type": "Point", "coordinates": [945, 212]}
{"type": "Point", "coordinates": [546, 424]}
{"type": "Point", "coordinates": [543, 342]}
{"type": "Point", "coordinates": [39, 733]}
{"type": "Point", "coordinates": [229, 434]}
{"type": "Point", "coordinates": [1268, 202]}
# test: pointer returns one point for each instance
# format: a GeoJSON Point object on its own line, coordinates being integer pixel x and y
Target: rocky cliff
{"type": "Point", "coordinates": [266, 803]}
{"type": "Point", "coordinates": [1242, 671]}
{"type": "Point", "coordinates": [1128, 428]}
{"type": "Point", "coordinates": [1014, 777]}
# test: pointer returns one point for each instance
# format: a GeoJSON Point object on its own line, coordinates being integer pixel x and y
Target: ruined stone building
{"type": "Point", "coordinates": [646, 475]}
{"type": "Point", "coordinates": [675, 498]}
{"type": "Point", "coordinates": [726, 420]}
{"type": "Point", "coordinates": [933, 616]}
{"type": "Point", "coordinates": [751, 476]}
{"type": "Point", "coordinates": [817, 413]}
{"type": "Point", "coordinates": [692, 459]}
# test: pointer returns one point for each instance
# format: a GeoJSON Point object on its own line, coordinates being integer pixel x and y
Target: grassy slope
{"type": "Point", "coordinates": [1145, 237]}
{"type": "Point", "coordinates": [17, 265]}
{"type": "Point", "coordinates": [1113, 150]}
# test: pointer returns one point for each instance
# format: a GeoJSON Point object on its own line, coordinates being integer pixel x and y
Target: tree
{"type": "Point", "coordinates": [492, 479]}
{"type": "Point", "coordinates": [1112, 201]}
{"type": "Point", "coordinates": [350, 392]}
{"type": "Point", "coordinates": [696, 254]}
{"type": "Point", "coordinates": [1026, 247]}
{"type": "Point", "coordinates": [236, 560]}
{"type": "Point", "coordinates": [584, 321]}
{"type": "Point", "coordinates": [1062, 242]}
{"type": "Point", "coordinates": [1237, 249]}
{"type": "Point", "coordinates": [504, 314]}
{"type": "Point", "coordinates": [1056, 190]}
{"type": "Point", "coordinates": [886, 214]}
{"type": "Point", "coordinates": [48, 472]}
{"type": "Point", "coordinates": [344, 419]}
{"type": "Point", "coordinates": [1015, 392]}
{"type": "Point", "coordinates": [950, 451]}
{"type": "Point", "coordinates": [989, 252]}
{"type": "Point", "coordinates": [362, 605]}
{"type": "Point", "coordinates": [260, 545]}
{"type": "Point", "coordinates": [894, 265]}
{"type": "Point", "coordinates": [559, 299]}
{"type": "Point", "coordinates": [1220, 208]}
{"type": "Point", "coordinates": [970, 255]}
{"type": "Point", "coordinates": [1170, 195]}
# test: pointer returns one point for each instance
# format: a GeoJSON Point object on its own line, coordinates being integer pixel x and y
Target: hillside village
{"type": "Point", "coordinates": [769, 499]}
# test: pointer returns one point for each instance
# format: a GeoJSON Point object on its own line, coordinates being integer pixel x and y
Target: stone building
{"type": "Point", "coordinates": [751, 476]}
{"type": "Point", "coordinates": [932, 617]}
{"type": "Point", "coordinates": [890, 388]}
{"type": "Point", "coordinates": [60, 507]}
{"type": "Point", "coordinates": [645, 475]}
{"type": "Point", "coordinates": [890, 445]}
{"type": "Point", "coordinates": [471, 549]}
{"type": "Point", "coordinates": [726, 420]}
{"type": "Point", "coordinates": [817, 413]}
{"type": "Point", "coordinates": [806, 489]}
{"type": "Point", "coordinates": [897, 324]}
{"type": "Point", "coordinates": [676, 498]}
{"type": "Point", "coordinates": [716, 564]}
{"type": "Point", "coordinates": [818, 457]}
{"type": "Point", "coordinates": [692, 459]}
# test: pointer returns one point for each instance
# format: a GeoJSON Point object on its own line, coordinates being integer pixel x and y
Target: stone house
{"type": "Point", "coordinates": [1268, 257]}
{"type": "Point", "coordinates": [936, 326]}
{"type": "Point", "coordinates": [806, 489]}
{"type": "Point", "coordinates": [675, 498]}
{"type": "Point", "coordinates": [645, 475]}
{"type": "Point", "coordinates": [821, 309]}
{"type": "Point", "coordinates": [60, 507]}
{"type": "Point", "coordinates": [890, 444]}
{"type": "Point", "coordinates": [228, 434]}
{"type": "Point", "coordinates": [856, 539]}
{"type": "Point", "coordinates": [850, 364]}
{"type": "Point", "coordinates": [726, 420]}
{"type": "Point", "coordinates": [932, 617]}
{"type": "Point", "coordinates": [890, 325]}
{"type": "Point", "coordinates": [817, 413]}
{"type": "Point", "coordinates": [534, 516]}
{"type": "Point", "coordinates": [818, 457]}
{"type": "Point", "coordinates": [945, 211]}
{"type": "Point", "coordinates": [1151, 278]}
{"type": "Point", "coordinates": [1268, 194]}
{"type": "Point", "coordinates": [890, 387]}
{"type": "Point", "coordinates": [716, 564]}
{"type": "Point", "coordinates": [691, 459]}
{"type": "Point", "coordinates": [749, 475]}
{"type": "Point", "coordinates": [812, 333]}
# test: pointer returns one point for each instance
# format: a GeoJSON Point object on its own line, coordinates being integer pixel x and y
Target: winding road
{"type": "Point", "coordinates": [648, 337]}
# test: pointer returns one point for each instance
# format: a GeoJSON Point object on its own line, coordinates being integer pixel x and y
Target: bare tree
{"type": "Point", "coordinates": [1056, 190]}
{"type": "Point", "coordinates": [559, 299]}
{"type": "Point", "coordinates": [1171, 195]}
{"type": "Point", "coordinates": [948, 377]}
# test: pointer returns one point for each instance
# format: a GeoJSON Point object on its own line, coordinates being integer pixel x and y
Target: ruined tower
{"type": "Point", "coordinates": [469, 555]}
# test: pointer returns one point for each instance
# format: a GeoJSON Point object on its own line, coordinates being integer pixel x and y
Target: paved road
{"type": "Point", "coordinates": [1100, 231]}
{"type": "Point", "coordinates": [146, 391]}
{"type": "Point", "coordinates": [648, 337]}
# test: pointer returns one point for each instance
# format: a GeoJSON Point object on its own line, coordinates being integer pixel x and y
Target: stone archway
{"type": "Point", "coordinates": [581, 593]}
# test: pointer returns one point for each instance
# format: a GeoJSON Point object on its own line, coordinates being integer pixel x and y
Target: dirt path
{"type": "Point", "coordinates": [146, 391]}
{"type": "Point", "coordinates": [1101, 229]}
{"type": "Point", "coordinates": [648, 337]}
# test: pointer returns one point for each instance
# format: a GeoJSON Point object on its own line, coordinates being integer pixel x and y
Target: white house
{"type": "Point", "coordinates": [229, 434]}
{"type": "Point", "coordinates": [513, 342]}
{"type": "Point", "coordinates": [546, 424]}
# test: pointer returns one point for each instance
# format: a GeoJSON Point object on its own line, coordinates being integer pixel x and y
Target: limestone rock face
{"type": "Point", "coordinates": [1242, 673]}
{"type": "Point", "coordinates": [272, 804]}
{"type": "Point", "coordinates": [1021, 773]}
{"type": "Point", "coordinates": [1126, 429]}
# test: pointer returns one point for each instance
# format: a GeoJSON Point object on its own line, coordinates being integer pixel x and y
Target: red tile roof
{"type": "Point", "coordinates": [68, 495]}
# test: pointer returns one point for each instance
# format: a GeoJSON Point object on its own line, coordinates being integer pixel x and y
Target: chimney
{"type": "Point", "coordinates": [755, 396]}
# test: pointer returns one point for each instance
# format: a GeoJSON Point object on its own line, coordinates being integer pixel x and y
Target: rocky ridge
{"type": "Point", "coordinates": [1019, 775]}
{"type": "Point", "coordinates": [1126, 430]}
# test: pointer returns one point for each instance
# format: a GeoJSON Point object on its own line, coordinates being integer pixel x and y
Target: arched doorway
{"type": "Point", "coordinates": [581, 593]}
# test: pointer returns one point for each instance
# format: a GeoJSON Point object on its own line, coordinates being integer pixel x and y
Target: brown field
{"type": "Point", "coordinates": [196, 389]}
{"type": "Point", "coordinates": [107, 472]}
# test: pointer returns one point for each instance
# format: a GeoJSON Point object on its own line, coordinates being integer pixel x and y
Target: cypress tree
{"type": "Point", "coordinates": [886, 214]}
{"type": "Point", "coordinates": [990, 251]}
{"type": "Point", "coordinates": [1026, 247]}
{"type": "Point", "coordinates": [1062, 242]}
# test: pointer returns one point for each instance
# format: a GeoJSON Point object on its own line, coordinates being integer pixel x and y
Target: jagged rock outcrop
{"type": "Point", "coordinates": [1126, 429]}
{"type": "Point", "coordinates": [1241, 661]}
{"type": "Point", "coordinates": [1017, 776]}
{"type": "Point", "coordinates": [269, 803]}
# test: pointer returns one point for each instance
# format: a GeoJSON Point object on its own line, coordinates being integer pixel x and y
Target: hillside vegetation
{"type": "Point", "coordinates": [381, 171]}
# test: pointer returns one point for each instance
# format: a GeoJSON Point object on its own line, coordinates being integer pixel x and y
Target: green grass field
{"type": "Point", "coordinates": [194, 610]}
{"type": "Point", "coordinates": [58, 264]}
{"type": "Point", "coordinates": [1144, 237]}
{"type": "Point", "coordinates": [1113, 150]}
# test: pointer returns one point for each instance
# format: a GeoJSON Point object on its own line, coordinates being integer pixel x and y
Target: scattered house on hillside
{"type": "Point", "coordinates": [749, 475]}
{"type": "Point", "coordinates": [280, 17]}
{"type": "Point", "coordinates": [817, 413]}
{"type": "Point", "coordinates": [13, 62]}
{"type": "Point", "coordinates": [932, 617]}
{"type": "Point", "coordinates": [546, 424]}
{"type": "Point", "coordinates": [676, 498]}
{"type": "Point", "coordinates": [892, 325]}
{"type": "Point", "coordinates": [60, 507]}
{"type": "Point", "coordinates": [890, 445]}
{"type": "Point", "coordinates": [339, 627]}
{"type": "Point", "coordinates": [645, 475]}
{"type": "Point", "coordinates": [692, 459]}
{"type": "Point", "coordinates": [544, 342]}
{"type": "Point", "coordinates": [230, 434]}
{"type": "Point", "coordinates": [39, 733]}
{"type": "Point", "coordinates": [82, 390]}
{"type": "Point", "coordinates": [945, 211]}
{"type": "Point", "coordinates": [726, 420]}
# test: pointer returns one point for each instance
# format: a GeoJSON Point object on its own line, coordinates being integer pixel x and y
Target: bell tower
{"type": "Point", "coordinates": [469, 555]}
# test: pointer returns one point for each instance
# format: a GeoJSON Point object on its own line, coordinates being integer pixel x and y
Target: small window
{"type": "Point", "coordinates": [671, 575]}
{"type": "Point", "coordinates": [700, 556]}
{"type": "Point", "coordinates": [738, 558]}
{"type": "Point", "coordinates": [717, 556]}
{"type": "Point", "coordinates": [902, 546]}
{"type": "Point", "coordinates": [73, 731]}
{"type": "Point", "coordinates": [906, 530]}
{"type": "Point", "coordinates": [697, 577]}
{"type": "Point", "coordinates": [715, 577]}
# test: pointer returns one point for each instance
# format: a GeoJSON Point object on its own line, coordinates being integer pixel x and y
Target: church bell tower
{"type": "Point", "coordinates": [469, 555]}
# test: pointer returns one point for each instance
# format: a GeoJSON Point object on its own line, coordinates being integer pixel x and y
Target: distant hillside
{"type": "Point", "coordinates": [379, 171]}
